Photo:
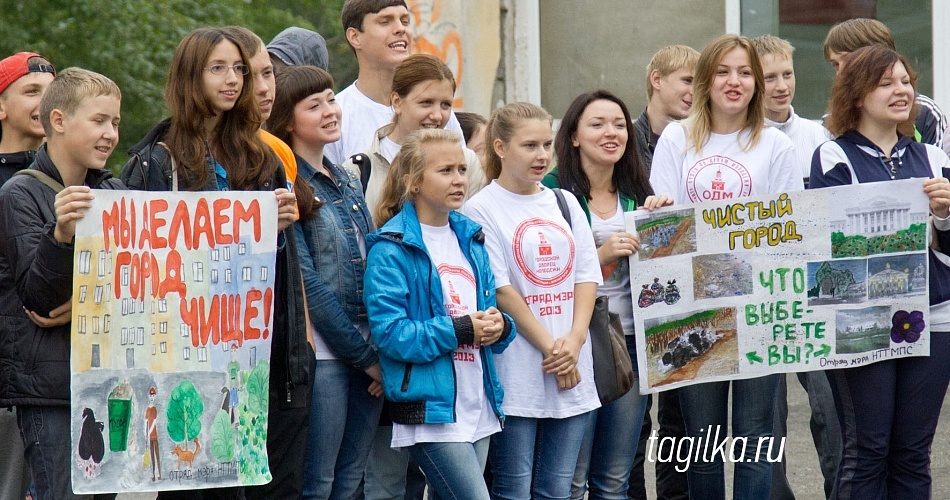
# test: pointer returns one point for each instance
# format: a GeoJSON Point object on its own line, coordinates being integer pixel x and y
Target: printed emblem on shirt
{"type": "Point", "coordinates": [717, 178]}
{"type": "Point", "coordinates": [457, 282]}
{"type": "Point", "coordinates": [544, 252]}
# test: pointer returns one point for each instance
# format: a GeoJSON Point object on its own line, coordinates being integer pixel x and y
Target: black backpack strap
{"type": "Point", "coordinates": [365, 164]}
{"type": "Point", "coordinates": [562, 205]}
{"type": "Point", "coordinates": [45, 179]}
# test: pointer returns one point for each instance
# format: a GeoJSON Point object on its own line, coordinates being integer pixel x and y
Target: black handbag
{"type": "Point", "coordinates": [613, 370]}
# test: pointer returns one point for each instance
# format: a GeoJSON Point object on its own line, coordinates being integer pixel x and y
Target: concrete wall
{"type": "Point", "coordinates": [608, 43]}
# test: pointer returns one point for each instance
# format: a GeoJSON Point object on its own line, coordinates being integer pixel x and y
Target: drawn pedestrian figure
{"type": "Point", "coordinates": [234, 383]}
{"type": "Point", "coordinates": [151, 431]}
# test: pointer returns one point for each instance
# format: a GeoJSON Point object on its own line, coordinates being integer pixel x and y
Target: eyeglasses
{"type": "Point", "coordinates": [222, 69]}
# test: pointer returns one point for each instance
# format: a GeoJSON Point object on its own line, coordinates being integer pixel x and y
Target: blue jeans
{"type": "Point", "coordinates": [611, 442]}
{"type": "Point", "coordinates": [888, 413]}
{"type": "Point", "coordinates": [825, 431]}
{"type": "Point", "coordinates": [46, 438]}
{"type": "Point", "coordinates": [535, 458]}
{"type": "Point", "coordinates": [705, 407]}
{"type": "Point", "coordinates": [453, 470]}
{"type": "Point", "coordinates": [343, 418]}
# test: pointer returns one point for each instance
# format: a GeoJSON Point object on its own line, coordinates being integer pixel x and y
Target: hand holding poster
{"type": "Point", "coordinates": [800, 281]}
{"type": "Point", "coordinates": [172, 313]}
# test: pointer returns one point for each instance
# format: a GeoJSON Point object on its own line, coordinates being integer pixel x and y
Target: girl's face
{"type": "Point", "coordinates": [733, 84]}
{"type": "Point", "coordinates": [223, 90]}
{"type": "Point", "coordinates": [891, 101]}
{"type": "Point", "coordinates": [525, 158]}
{"type": "Point", "coordinates": [427, 105]}
{"type": "Point", "coordinates": [601, 136]}
{"type": "Point", "coordinates": [444, 180]}
{"type": "Point", "coordinates": [316, 120]}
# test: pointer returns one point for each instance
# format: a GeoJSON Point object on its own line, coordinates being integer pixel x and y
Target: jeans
{"type": "Point", "coordinates": [671, 484]}
{"type": "Point", "coordinates": [453, 470]}
{"type": "Point", "coordinates": [888, 413]}
{"type": "Point", "coordinates": [825, 431]}
{"type": "Point", "coordinates": [343, 418]}
{"type": "Point", "coordinates": [610, 444]}
{"type": "Point", "coordinates": [705, 410]}
{"type": "Point", "coordinates": [47, 441]}
{"type": "Point", "coordinates": [390, 474]}
{"type": "Point", "coordinates": [535, 458]}
{"type": "Point", "coordinates": [14, 472]}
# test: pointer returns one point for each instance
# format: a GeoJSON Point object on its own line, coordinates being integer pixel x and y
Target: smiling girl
{"type": "Point", "coordinates": [547, 274]}
{"type": "Point", "coordinates": [211, 142]}
{"type": "Point", "coordinates": [724, 150]}
{"type": "Point", "coordinates": [430, 295]}
{"type": "Point", "coordinates": [423, 91]}
{"type": "Point", "coordinates": [888, 410]}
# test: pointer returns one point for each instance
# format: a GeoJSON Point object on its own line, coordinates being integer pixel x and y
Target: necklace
{"type": "Point", "coordinates": [603, 213]}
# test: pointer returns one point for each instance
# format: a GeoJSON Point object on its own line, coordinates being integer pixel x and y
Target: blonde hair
{"type": "Point", "coordinates": [502, 125]}
{"type": "Point", "coordinates": [69, 89]}
{"type": "Point", "coordinates": [851, 35]}
{"type": "Point", "coordinates": [773, 45]}
{"type": "Point", "coordinates": [407, 170]}
{"type": "Point", "coordinates": [699, 123]}
{"type": "Point", "coordinates": [670, 59]}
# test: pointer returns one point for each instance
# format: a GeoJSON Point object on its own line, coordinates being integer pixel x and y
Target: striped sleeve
{"type": "Point", "coordinates": [830, 166]}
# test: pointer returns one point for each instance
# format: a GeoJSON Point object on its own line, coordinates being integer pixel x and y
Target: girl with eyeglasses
{"type": "Point", "coordinates": [211, 142]}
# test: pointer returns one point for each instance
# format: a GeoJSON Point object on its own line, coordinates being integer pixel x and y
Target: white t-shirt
{"type": "Point", "coordinates": [617, 284]}
{"type": "Point", "coordinates": [474, 417]}
{"type": "Point", "coordinates": [806, 136]}
{"type": "Point", "coordinates": [362, 117]}
{"type": "Point", "coordinates": [532, 248]}
{"type": "Point", "coordinates": [723, 170]}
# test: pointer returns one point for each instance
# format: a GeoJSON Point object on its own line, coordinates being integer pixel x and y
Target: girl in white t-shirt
{"type": "Point", "coordinates": [430, 297]}
{"type": "Point", "coordinates": [547, 276]}
{"type": "Point", "coordinates": [724, 150]}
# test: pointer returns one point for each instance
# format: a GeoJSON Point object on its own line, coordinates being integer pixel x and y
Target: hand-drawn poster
{"type": "Point", "coordinates": [173, 295]}
{"type": "Point", "coordinates": [800, 281]}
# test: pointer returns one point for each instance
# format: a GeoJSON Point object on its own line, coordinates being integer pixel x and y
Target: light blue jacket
{"type": "Point", "coordinates": [414, 334]}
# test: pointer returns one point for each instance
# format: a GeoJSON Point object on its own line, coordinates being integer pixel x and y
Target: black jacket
{"type": "Point", "coordinates": [646, 141]}
{"type": "Point", "coordinates": [150, 169]}
{"type": "Point", "coordinates": [36, 272]}
{"type": "Point", "coordinates": [11, 163]}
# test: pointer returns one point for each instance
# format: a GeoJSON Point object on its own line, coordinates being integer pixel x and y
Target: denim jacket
{"type": "Point", "coordinates": [332, 264]}
{"type": "Point", "coordinates": [416, 337]}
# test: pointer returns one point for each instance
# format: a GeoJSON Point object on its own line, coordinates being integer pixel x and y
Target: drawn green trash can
{"type": "Point", "coordinates": [120, 416]}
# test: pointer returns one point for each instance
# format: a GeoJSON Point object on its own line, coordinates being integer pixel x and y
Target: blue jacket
{"type": "Point", "coordinates": [331, 262]}
{"type": "Point", "coordinates": [414, 334]}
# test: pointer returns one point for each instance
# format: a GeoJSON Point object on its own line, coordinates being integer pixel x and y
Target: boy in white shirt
{"type": "Point", "coordinates": [776, 57]}
{"type": "Point", "coordinates": [379, 33]}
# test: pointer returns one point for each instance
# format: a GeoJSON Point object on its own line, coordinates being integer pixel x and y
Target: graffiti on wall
{"type": "Point", "coordinates": [435, 35]}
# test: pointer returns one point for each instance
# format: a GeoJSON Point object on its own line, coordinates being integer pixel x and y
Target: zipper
{"type": "Point", "coordinates": [405, 378]}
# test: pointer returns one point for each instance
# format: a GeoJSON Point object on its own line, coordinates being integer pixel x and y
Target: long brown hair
{"type": "Point", "coordinates": [294, 84]}
{"type": "Point", "coordinates": [699, 122]}
{"type": "Point", "coordinates": [237, 143]}
{"type": "Point", "coordinates": [407, 170]}
{"type": "Point", "coordinates": [861, 74]}
{"type": "Point", "coordinates": [502, 125]}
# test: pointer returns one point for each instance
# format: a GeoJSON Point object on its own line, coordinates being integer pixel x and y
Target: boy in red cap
{"type": "Point", "coordinates": [23, 79]}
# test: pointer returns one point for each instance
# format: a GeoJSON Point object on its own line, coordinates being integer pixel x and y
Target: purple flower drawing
{"type": "Point", "coordinates": [906, 326]}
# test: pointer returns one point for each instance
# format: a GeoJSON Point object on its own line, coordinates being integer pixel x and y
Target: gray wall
{"type": "Point", "coordinates": [608, 43]}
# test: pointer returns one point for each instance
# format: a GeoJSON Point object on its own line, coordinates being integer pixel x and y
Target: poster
{"type": "Point", "coordinates": [800, 281]}
{"type": "Point", "coordinates": [171, 323]}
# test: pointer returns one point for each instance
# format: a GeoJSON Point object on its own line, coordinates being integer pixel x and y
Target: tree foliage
{"type": "Point", "coordinates": [132, 41]}
{"type": "Point", "coordinates": [184, 413]}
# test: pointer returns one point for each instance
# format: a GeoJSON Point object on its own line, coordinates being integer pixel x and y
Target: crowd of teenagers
{"type": "Point", "coordinates": [420, 329]}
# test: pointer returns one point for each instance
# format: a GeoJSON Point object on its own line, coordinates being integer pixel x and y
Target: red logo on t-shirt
{"type": "Point", "coordinates": [539, 254]}
{"type": "Point", "coordinates": [717, 178]}
{"type": "Point", "coordinates": [454, 306]}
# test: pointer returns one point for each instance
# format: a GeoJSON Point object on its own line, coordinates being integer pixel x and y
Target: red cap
{"type": "Point", "coordinates": [151, 392]}
{"type": "Point", "coordinates": [15, 67]}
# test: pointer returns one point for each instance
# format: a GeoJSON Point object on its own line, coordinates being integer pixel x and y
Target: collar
{"type": "Point", "coordinates": [404, 228]}
{"type": "Point", "coordinates": [787, 124]}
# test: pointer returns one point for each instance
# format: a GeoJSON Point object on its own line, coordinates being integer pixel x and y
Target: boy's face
{"type": "Point", "coordinates": [674, 92]}
{"type": "Point", "coordinates": [262, 71]}
{"type": "Point", "coordinates": [91, 133]}
{"type": "Point", "coordinates": [20, 105]}
{"type": "Point", "coordinates": [779, 86]}
{"type": "Point", "coordinates": [386, 37]}
{"type": "Point", "coordinates": [837, 60]}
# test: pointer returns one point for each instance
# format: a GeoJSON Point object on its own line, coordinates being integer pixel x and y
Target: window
{"type": "Point", "coordinates": [140, 335]}
{"type": "Point", "coordinates": [227, 252]}
{"type": "Point", "coordinates": [163, 328]}
{"type": "Point", "coordinates": [185, 330]}
{"type": "Point", "coordinates": [202, 354]}
{"type": "Point", "coordinates": [97, 294]}
{"type": "Point", "coordinates": [246, 273]}
{"type": "Point", "coordinates": [95, 325]}
{"type": "Point", "coordinates": [263, 273]}
{"type": "Point", "coordinates": [82, 324]}
{"type": "Point", "coordinates": [124, 275]}
{"type": "Point", "coordinates": [106, 323]}
{"type": "Point", "coordinates": [125, 336]}
{"type": "Point", "coordinates": [198, 271]}
{"type": "Point", "coordinates": [85, 262]}
{"type": "Point", "coordinates": [186, 353]}
{"type": "Point", "coordinates": [242, 248]}
{"type": "Point", "coordinates": [227, 275]}
{"type": "Point", "coordinates": [215, 254]}
{"type": "Point", "coordinates": [102, 263]}
{"type": "Point", "coordinates": [162, 305]}
{"type": "Point", "coordinates": [214, 275]}
{"type": "Point", "coordinates": [163, 346]}
{"type": "Point", "coordinates": [82, 294]}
